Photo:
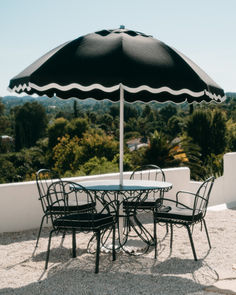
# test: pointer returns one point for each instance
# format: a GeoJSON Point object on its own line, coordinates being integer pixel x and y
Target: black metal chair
{"type": "Point", "coordinates": [142, 173]}
{"type": "Point", "coordinates": [180, 214]}
{"type": "Point", "coordinates": [100, 218]}
{"type": "Point", "coordinates": [149, 172]}
{"type": "Point", "coordinates": [44, 178]}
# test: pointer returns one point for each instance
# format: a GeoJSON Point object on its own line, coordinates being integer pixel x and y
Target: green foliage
{"type": "Point", "coordinates": [56, 130]}
{"type": "Point", "coordinates": [174, 126]}
{"type": "Point", "coordinates": [30, 124]}
{"type": "Point", "coordinates": [22, 165]}
{"type": "Point", "coordinates": [160, 151]}
{"type": "Point", "coordinates": [218, 133]}
{"type": "Point", "coordinates": [72, 153]}
{"type": "Point", "coordinates": [5, 126]}
{"type": "Point", "coordinates": [129, 162]}
{"type": "Point", "coordinates": [167, 112]}
{"type": "Point", "coordinates": [231, 135]}
{"type": "Point", "coordinates": [129, 111]}
{"type": "Point", "coordinates": [214, 165]}
{"type": "Point", "coordinates": [75, 109]}
{"type": "Point", "coordinates": [66, 154]}
{"type": "Point", "coordinates": [2, 107]}
{"type": "Point", "coordinates": [199, 129]}
{"type": "Point", "coordinates": [208, 130]}
{"type": "Point", "coordinates": [97, 166]}
{"type": "Point", "coordinates": [8, 171]}
{"type": "Point", "coordinates": [84, 140]}
{"type": "Point", "coordinates": [97, 143]}
{"type": "Point", "coordinates": [106, 122]}
{"type": "Point", "coordinates": [77, 127]}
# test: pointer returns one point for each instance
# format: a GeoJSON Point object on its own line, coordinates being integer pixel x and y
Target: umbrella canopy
{"type": "Point", "coordinates": [117, 64]}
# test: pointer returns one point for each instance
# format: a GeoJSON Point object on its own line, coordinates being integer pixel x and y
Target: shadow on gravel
{"type": "Point", "coordinates": [127, 275]}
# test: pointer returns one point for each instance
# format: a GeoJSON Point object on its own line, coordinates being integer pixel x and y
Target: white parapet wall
{"type": "Point", "coordinates": [20, 208]}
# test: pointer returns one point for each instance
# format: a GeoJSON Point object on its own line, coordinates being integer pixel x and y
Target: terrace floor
{"type": "Point", "coordinates": [214, 272]}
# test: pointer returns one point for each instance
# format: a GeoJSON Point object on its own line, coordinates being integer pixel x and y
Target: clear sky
{"type": "Point", "coordinates": [204, 30]}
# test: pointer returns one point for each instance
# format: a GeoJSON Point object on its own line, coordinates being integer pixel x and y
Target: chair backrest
{"type": "Point", "coordinates": [62, 195]}
{"type": "Point", "coordinates": [44, 178]}
{"type": "Point", "coordinates": [202, 196]}
{"type": "Point", "coordinates": [150, 172]}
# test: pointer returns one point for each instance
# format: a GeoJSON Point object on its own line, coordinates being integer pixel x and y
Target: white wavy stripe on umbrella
{"type": "Point", "coordinates": [214, 96]}
{"type": "Point", "coordinates": [114, 88]}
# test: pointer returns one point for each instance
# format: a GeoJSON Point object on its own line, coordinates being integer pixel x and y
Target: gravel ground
{"type": "Point", "coordinates": [22, 271]}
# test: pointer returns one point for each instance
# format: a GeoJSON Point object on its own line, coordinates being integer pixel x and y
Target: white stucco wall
{"type": "Point", "coordinates": [21, 210]}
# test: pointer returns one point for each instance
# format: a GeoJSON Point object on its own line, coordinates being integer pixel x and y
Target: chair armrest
{"type": "Point", "coordinates": [182, 194]}
{"type": "Point", "coordinates": [176, 203]}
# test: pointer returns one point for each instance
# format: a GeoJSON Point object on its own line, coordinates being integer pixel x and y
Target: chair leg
{"type": "Point", "coordinates": [191, 242]}
{"type": "Point", "coordinates": [40, 229]}
{"type": "Point", "coordinates": [73, 243]}
{"type": "Point", "coordinates": [113, 243]}
{"type": "Point", "coordinates": [97, 252]}
{"type": "Point", "coordinates": [48, 251]}
{"type": "Point", "coordinates": [171, 235]}
{"type": "Point", "coordinates": [204, 222]}
{"type": "Point", "coordinates": [155, 236]}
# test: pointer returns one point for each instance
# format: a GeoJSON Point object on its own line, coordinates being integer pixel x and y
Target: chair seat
{"type": "Point", "coordinates": [178, 214]}
{"type": "Point", "coordinates": [72, 209]}
{"type": "Point", "coordinates": [145, 205]}
{"type": "Point", "coordinates": [84, 221]}
{"type": "Point", "coordinates": [139, 205]}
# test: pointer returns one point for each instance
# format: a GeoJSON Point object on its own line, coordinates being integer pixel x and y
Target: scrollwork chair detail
{"type": "Point", "coordinates": [181, 214]}
{"type": "Point", "coordinates": [62, 193]}
{"type": "Point", "coordinates": [44, 178]}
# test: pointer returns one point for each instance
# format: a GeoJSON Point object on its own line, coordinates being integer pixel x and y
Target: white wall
{"type": "Point", "coordinates": [20, 208]}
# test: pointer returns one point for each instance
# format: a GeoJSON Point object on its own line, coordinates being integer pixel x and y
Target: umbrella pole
{"type": "Point", "coordinates": [121, 132]}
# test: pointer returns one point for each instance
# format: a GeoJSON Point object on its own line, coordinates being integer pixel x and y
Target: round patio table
{"type": "Point", "coordinates": [131, 190]}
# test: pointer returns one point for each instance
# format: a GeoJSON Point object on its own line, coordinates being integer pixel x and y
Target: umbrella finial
{"type": "Point", "coordinates": [122, 27]}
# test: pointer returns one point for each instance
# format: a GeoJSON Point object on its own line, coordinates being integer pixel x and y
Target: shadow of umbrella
{"type": "Point", "coordinates": [116, 65]}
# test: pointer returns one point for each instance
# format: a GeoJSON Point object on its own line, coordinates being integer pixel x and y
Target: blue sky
{"type": "Point", "coordinates": [204, 30]}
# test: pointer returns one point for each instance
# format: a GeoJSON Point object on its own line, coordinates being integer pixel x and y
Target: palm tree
{"type": "Point", "coordinates": [178, 152]}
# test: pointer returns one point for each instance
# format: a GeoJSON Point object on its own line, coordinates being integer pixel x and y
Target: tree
{"type": "Point", "coordinates": [106, 122]}
{"type": "Point", "coordinates": [160, 151]}
{"type": "Point", "coordinates": [7, 171]}
{"type": "Point", "coordinates": [129, 112]}
{"type": "Point", "coordinates": [1, 107]}
{"type": "Point", "coordinates": [77, 127]}
{"type": "Point", "coordinates": [97, 143]}
{"type": "Point", "coordinates": [174, 125]}
{"type": "Point", "coordinates": [66, 154]}
{"type": "Point", "coordinates": [99, 166]}
{"type": "Point", "coordinates": [146, 111]}
{"type": "Point", "coordinates": [199, 129]}
{"type": "Point", "coordinates": [167, 112]}
{"type": "Point", "coordinates": [231, 135]}
{"type": "Point", "coordinates": [75, 109]}
{"type": "Point", "coordinates": [5, 122]}
{"type": "Point", "coordinates": [208, 130]}
{"type": "Point", "coordinates": [56, 130]}
{"type": "Point", "coordinates": [114, 111]}
{"type": "Point", "coordinates": [73, 153]}
{"type": "Point", "coordinates": [218, 132]}
{"type": "Point", "coordinates": [30, 124]}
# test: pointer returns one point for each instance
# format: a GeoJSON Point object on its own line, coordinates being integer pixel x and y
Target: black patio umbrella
{"type": "Point", "coordinates": [117, 64]}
